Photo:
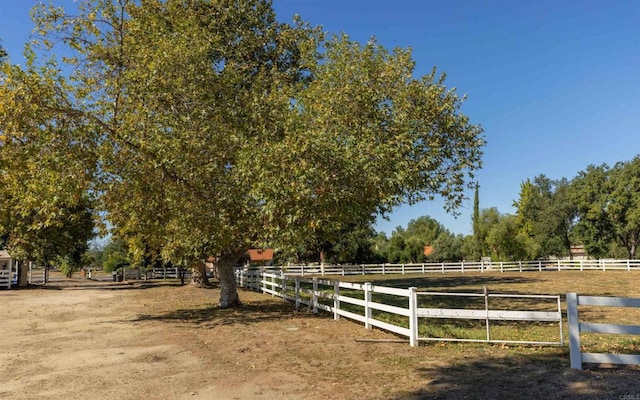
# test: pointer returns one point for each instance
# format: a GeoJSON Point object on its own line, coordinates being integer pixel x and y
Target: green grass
{"type": "Point", "coordinates": [596, 283]}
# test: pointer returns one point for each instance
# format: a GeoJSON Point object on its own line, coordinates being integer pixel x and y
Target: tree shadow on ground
{"type": "Point", "coordinates": [101, 285]}
{"type": "Point", "coordinates": [213, 316]}
{"type": "Point", "coordinates": [452, 281]}
{"type": "Point", "coordinates": [526, 377]}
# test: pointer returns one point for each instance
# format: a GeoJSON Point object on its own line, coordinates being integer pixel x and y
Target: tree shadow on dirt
{"type": "Point", "coordinates": [526, 377]}
{"type": "Point", "coordinates": [101, 285]}
{"type": "Point", "coordinates": [213, 316]}
{"type": "Point", "coordinates": [452, 281]}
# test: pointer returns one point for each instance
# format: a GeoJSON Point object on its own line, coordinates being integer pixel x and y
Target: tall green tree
{"type": "Point", "coordinates": [448, 247]}
{"type": "Point", "coordinates": [477, 240]}
{"type": "Point", "coordinates": [608, 204]}
{"type": "Point", "coordinates": [488, 218]}
{"type": "Point", "coordinates": [215, 128]}
{"type": "Point", "coordinates": [624, 205]}
{"type": "Point", "coordinates": [589, 194]}
{"type": "Point", "coordinates": [45, 172]}
{"type": "Point", "coordinates": [545, 217]}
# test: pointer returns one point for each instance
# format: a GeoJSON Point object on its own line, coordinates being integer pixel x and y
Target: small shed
{"type": "Point", "coordinates": [8, 269]}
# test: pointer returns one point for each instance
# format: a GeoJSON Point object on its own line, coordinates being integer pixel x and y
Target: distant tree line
{"type": "Point", "coordinates": [598, 209]}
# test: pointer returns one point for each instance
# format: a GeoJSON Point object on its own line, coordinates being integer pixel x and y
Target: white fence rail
{"type": "Point", "coordinates": [575, 327]}
{"type": "Point", "coordinates": [5, 278]}
{"type": "Point", "coordinates": [463, 266]}
{"type": "Point", "coordinates": [489, 315]}
{"type": "Point", "coordinates": [332, 296]}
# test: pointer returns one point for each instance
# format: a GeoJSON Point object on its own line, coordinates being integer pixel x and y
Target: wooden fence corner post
{"type": "Point", "coordinates": [574, 331]}
{"type": "Point", "coordinates": [413, 317]}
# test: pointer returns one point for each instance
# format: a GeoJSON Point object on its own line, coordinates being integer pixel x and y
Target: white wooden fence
{"type": "Point", "coordinates": [462, 266]}
{"type": "Point", "coordinates": [5, 278]}
{"type": "Point", "coordinates": [488, 315]}
{"type": "Point", "coordinates": [575, 327]}
{"type": "Point", "coordinates": [330, 296]}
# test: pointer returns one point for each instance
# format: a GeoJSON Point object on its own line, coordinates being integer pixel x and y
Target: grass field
{"type": "Point", "coordinates": [597, 283]}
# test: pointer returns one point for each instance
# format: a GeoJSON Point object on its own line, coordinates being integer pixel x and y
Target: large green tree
{"type": "Point", "coordinates": [545, 217]}
{"type": "Point", "coordinates": [46, 211]}
{"type": "Point", "coordinates": [608, 205]}
{"type": "Point", "coordinates": [214, 128]}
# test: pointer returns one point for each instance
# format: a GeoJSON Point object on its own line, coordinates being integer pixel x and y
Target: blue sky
{"type": "Point", "coordinates": [554, 84]}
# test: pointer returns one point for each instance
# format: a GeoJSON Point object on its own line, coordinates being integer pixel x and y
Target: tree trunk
{"type": "Point", "coordinates": [199, 275]}
{"type": "Point", "coordinates": [226, 274]}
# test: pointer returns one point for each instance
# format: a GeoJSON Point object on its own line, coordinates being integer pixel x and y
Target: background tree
{"type": "Point", "coordinates": [448, 247]}
{"type": "Point", "coordinates": [407, 245]}
{"type": "Point", "coordinates": [114, 254]}
{"type": "Point", "coordinates": [488, 218]}
{"type": "Point", "coordinates": [476, 250]}
{"type": "Point", "coordinates": [504, 241]}
{"type": "Point", "coordinates": [624, 204]}
{"type": "Point", "coordinates": [215, 128]}
{"type": "Point", "coordinates": [545, 217]}
{"type": "Point", "coordinates": [608, 204]}
{"type": "Point", "coordinates": [589, 193]}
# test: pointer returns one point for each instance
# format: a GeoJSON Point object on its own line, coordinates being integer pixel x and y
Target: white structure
{"type": "Point", "coordinates": [8, 270]}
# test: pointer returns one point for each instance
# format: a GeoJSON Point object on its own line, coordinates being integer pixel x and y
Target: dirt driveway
{"type": "Point", "coordinates": [163, 341]}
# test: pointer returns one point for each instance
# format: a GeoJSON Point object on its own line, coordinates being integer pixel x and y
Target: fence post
{"type": "Point", "coordinates": [362, 265]}
{"type": "Point", "coordinates": [520, 265]}
{"type": "Point", "coordinates": [413, 317]}
{"type": "Point", "coordinates": [284, 287]}
{"type": "Point", "coordinates": [558, 265]}
{"type": "Point", "coordinates": [462, 265]}
{"type": "Point", "coordinates": [443, 267]}
{"type": "Point", "coordinates": [297, 292]}
{"type": "Point", "coordinates": [423, 268]}
{"type": "Point", "coordinates": [539, 265]}
{"type": "Point", "coordinates": [273, 284]}
{"type": "Point", "coordinates": [402, 269]}
{"type": "Point", "coordinates": [336, 300]}
{"type": "Point", "coordinates": [501, 267]}
{"type": "Point", "coordinates": [314, 299]}
{"type": "Point", "coordinates": [486, 309]}
{"type": "Point", "coordinates": [628, 265]}
{"type": "Point", "coordinates": [367, 300]}
{"type": "Point", "coordinates": [383, 272]}
{"type": "Point", "coordinates": [574, 331]}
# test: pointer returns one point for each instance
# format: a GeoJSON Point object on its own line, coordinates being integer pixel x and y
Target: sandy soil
{"type": "Point", "coordinates": [82, 340]}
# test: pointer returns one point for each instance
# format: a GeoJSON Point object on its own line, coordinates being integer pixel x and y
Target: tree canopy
{"type": "Point", "coordinates": [204, 128]}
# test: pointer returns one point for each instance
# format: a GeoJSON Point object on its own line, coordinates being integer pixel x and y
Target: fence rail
{"type": "Point", "coordinates": [356, 301]}
{"type": "Point", "coordinates": [5, 278]}
{"type": "Point", "coordinates": [575, 327]}
{"type": "Point", "coordinates": [462, 266]}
